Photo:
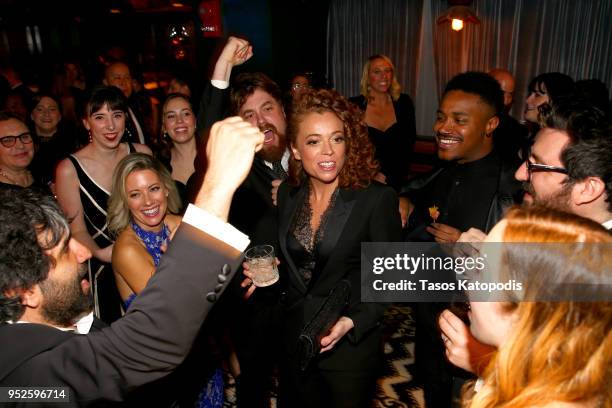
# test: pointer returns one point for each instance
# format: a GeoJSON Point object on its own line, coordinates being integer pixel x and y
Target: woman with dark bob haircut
{"type": "Point", "coordinates": [544, 89]}
{"type": "Point", "coordinates": [83, 186]}
{"type": "Point", "coordinates": [328, 207]}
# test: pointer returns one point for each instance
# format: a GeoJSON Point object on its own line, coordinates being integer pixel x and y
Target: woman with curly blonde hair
{"type": "Point", "coordinates": [552, 352]}
{"type": "Point", "coordinates": [330, 205]}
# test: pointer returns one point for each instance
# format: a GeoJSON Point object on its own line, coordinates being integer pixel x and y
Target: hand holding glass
{"type": "Point", "coordinates": [262, 265]}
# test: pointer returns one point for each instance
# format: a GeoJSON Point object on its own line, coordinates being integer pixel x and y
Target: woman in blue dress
{"type": "Point", "coordinates": [140, 213]}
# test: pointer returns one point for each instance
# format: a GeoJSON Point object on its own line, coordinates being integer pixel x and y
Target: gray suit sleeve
{"type": "Point", "coordinates": [157, 332]}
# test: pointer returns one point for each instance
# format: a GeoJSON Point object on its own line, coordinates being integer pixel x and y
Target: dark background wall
{"type": "Point", "coordinates": [287, 35]}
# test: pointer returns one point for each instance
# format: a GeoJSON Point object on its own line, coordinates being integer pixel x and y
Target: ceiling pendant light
{"type": "Point", "coordinates": [458, 14]}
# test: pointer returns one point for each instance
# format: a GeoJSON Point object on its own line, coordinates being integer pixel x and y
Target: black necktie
{"type": "Point", "coordinates": [278, 170]}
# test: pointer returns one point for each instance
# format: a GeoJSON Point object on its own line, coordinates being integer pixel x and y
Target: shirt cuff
{"type": "Point", "coordinates": [213, 226]}
{"type": "Point", "coordinates": [218, 83]}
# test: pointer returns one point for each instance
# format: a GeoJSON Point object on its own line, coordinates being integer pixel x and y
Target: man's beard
{"type": "Point", "coordinates": [64, 303]}
{"type": "Point", "coordinates": [273, 152]}
{"type": "Point", "coordinates": [556, 201]}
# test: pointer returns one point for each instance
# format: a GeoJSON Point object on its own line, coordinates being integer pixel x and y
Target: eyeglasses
{"type": "Point", "coordinates": [297, 86]}
{"type": "Point", "coordinates": [9, 141]}
{"type": "Point", "coordinates": [536, 167]}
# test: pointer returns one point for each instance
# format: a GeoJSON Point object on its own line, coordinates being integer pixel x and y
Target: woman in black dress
{"type": "Point", "coordinates": [389, 115]}
{"type": "Point", "coordinates": [83, 186]}
{"type": "Point", "coordinates": [178, 147]}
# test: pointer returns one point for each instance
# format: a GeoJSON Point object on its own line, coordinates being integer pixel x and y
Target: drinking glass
{"type": "Point", "coordinates": [262, 264]}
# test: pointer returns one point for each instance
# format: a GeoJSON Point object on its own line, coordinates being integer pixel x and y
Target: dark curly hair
{"type": "Point", "coordinates": [360, 166]}
{"type": "Point", "coordinates": [24, 215]}
{"type": "Point", "coordinates": [590, 133]}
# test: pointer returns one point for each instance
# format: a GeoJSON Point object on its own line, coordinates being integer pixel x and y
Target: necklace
{"type": "Point", "coordinates": [153, 240]}
{"type": "Point", "coordinates": [11, 180]}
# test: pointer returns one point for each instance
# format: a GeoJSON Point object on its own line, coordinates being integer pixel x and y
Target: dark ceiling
{"type": "Point", "coordinates": [19, 10]}
{"type": "Point", "coordinates": [86, 29]}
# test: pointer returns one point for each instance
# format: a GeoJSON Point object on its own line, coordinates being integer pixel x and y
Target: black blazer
{"type": "Point", "coordinates": [152, 338]}
{"type": "Point", "coordinates": [213, 106]}
{"type": "Point", "coordinates": [252, 210]}
{"type": "Point", "coordinates": [362, 215]}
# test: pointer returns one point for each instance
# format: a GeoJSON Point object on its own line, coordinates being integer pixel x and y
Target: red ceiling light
{"type": "Point", "coordinates": [458, 14]}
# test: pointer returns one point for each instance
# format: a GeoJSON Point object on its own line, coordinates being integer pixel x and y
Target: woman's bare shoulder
{"type": "Point", "coordinates": [173, 221]}
{"type": "Point", "coordinates": [128, 241]}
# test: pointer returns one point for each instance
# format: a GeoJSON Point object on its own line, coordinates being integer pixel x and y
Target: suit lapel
{"type": "Point", "coordinates": [294, 198]}
{"type": "Point", "coordinates": [23, 341]}
{"type": "Point", "coordinates": [336, 222]}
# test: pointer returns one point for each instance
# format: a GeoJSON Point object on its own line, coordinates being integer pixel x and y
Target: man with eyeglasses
{"type": "Point", "coordinates": [569, 168]}
{"type": "Point", "coordinates": [16, 152]}
{"type": "Point", "coordinates": [299, 83]}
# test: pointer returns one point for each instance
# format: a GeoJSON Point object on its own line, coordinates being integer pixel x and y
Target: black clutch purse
{"type": "Point", "coordinates": [309, 342]}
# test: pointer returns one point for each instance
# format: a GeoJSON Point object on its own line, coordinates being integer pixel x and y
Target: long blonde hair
{"type": "Point", "coordinates": [557, 351]}
{"type": "Point", "coordinates": [364, 85]}
{"type": "Point", "coordinates": [119, 215]}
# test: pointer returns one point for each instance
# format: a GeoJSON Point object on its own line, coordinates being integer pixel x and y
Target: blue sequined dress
{"type": "Point", "coordinates": [212, 395]}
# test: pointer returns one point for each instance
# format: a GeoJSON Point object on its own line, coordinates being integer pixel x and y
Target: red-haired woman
{"type": "Point", "coordinates": [330, 205]}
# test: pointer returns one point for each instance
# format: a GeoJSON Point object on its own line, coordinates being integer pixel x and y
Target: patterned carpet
{"type": "Point", "coordinates": [395, 388]}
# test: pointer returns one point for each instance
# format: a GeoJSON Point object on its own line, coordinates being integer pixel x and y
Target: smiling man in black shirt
{"type": "Point", "coordinates": [471, 188]}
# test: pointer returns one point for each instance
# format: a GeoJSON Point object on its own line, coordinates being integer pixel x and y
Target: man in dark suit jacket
{"type": "Point", "coordinates": [41, 286]}
{"type": "Point", "coordinates": [258, 100]}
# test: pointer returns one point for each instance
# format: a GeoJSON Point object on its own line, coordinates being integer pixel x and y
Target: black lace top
{"type": "Point", "coordinates": [303, 243]}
